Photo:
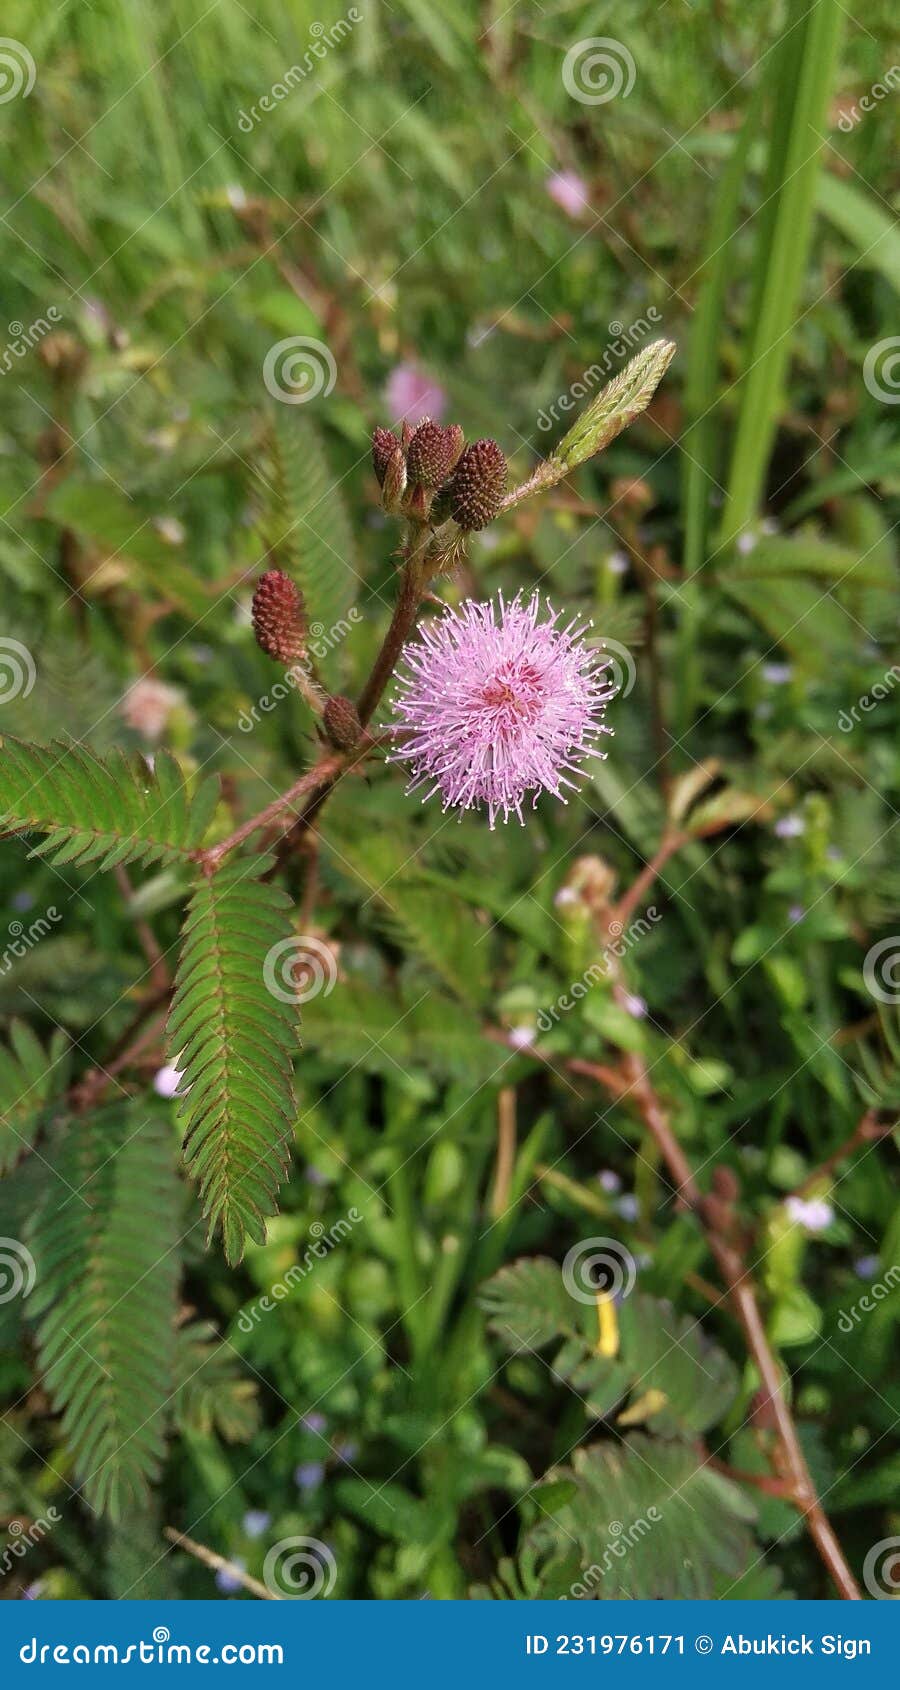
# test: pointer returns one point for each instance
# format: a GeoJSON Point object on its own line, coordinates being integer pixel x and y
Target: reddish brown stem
{"type": "Point", "coordinates": [866, 1131]}
{"type": "Point", "coordinates": [744, 1301]}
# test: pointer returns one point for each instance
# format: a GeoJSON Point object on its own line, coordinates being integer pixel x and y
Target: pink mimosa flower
{"type": "Point", "coordinates": [570, 191]}
{"type": "Point", "coordinates": [412, 396]}
{"type": "Point", "coordinates": [498, 701]}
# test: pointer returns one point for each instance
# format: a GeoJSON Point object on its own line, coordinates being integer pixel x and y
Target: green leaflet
{"type": "Point", "coordinates": [104, 1243]}
{"type": "Point", "coordinates": [105, 810]}
{"type": "Point", "coordinates": [652, 1521]}
{"type": "Point", "coordinates": [31, 1078]}
{"type": "Point", "coordinates": [213, 1392]}
{"type": "Point", "coordinates": [678, 1382]}
{"type": "Point", "coordinates": [232, 1036]}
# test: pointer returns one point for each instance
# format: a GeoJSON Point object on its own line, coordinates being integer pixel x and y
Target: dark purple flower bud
{"type": "Point", "coordinates": [384, 445]}
{"type": "Point", "coordinates": [478, 485]}
{"type": "Point", "coordinates": [279, 618]}
{"type": "Point", "coordinates": [433, 451]}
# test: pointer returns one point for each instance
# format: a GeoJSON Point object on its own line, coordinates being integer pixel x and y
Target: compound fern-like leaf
{"type": "Point", "coordinates": [106, 1270]}
{"type": "Point", "coordinates": [101, 810]}
{"type": "Point", "coordinates": [232, 1032]}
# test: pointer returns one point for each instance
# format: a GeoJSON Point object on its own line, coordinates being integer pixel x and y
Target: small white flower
{"type": "Point", "coordinates": [813, 1214]}
{"type": "Point", "coordinates": [519, 1037]}
{"type": "Point", "coordinates": [166, 1082]}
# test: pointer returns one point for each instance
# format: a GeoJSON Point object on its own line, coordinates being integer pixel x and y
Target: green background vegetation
{"type": "Point", "coordinates": [395, 207]}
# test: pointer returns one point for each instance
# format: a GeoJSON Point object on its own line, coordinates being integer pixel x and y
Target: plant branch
{"type": "Point", "coordinates": [412, 590]}
{"type": "Point", "coordinates": [744, 1300]}
{"type": "Point", "coordinates": [218, 1563]}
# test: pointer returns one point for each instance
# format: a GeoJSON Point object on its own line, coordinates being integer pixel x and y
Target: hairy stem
{"type": "Point", "coordinates": [409, 598]}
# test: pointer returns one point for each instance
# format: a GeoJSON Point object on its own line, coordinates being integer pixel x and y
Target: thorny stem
{"type": "Point", "coordinates": [406, 609]}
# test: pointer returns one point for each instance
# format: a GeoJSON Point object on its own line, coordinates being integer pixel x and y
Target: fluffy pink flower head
{"type": "Point", "coordinates": [412, 396]}
{"type": "Point", "coordinates": [498, 701]}
{"type": "Point", "coordinates": [570, 191]}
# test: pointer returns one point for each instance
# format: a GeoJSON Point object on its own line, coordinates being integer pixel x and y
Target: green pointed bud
{"type": "Point", "coordinates": [623, 399]}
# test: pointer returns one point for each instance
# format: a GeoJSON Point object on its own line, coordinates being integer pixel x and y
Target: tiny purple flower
{"type": "Point", "coordinates": [497, 703]}
{"type": "Point", "coordinates": [226, 1579]}
{"type": "Point", "coordinates": [790, 827]}
{"type": "Point", "coordinates": [635, 1005]}
{"type": "Point", "coordinates": [256, 1521]}
{"type": "Point", "coordinates": [411, 396]}
{"type": "Point", "coordinates": [813, 1213]}
{"type": "Point", "coordinates": [521, 1037]}
{"type": "Point", "coordinates": [866, 1267]}
{"type": "Point", "coordinates": [569, 190]}
{"type": "Point", "coordinates": [346, 1451]}
{"type": "Point", "coordinates": [314, 1422]}
{"type": "Point", "coordinates": [777, 674]}
{"type": "Point", "coordinates": [610, 1180]}
{"type": "Point", "coordinates": [309, 1475]}
{"type": "Point", "coordinates": [796, 913]}
{"type": "Point", "coordinates": [628, 1207]}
